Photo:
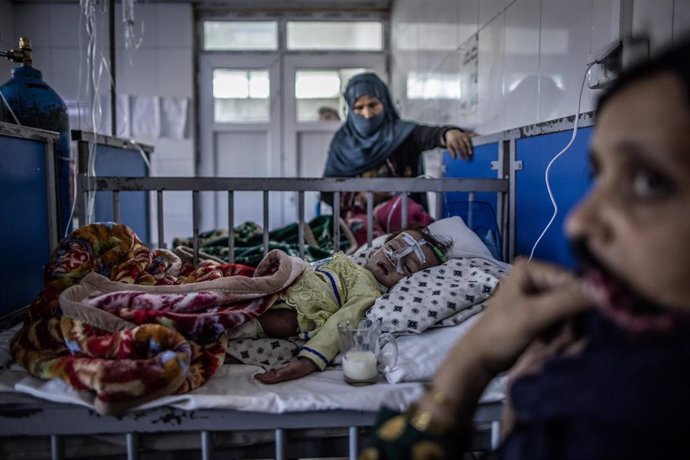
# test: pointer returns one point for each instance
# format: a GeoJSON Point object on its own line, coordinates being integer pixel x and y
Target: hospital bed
{"type": "Point", "coordinates": [317, 415]}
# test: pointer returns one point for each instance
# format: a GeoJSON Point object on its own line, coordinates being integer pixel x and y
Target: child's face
{"type": "Point", "coordinates": [636, 220]}
{"type": "Point", "coordinates": [389, 271]}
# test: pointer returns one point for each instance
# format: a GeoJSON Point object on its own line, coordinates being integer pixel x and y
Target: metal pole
{"type": "Point", "coordinates": [370, 218]}
{"type": "Point", "coordinates": [231, 226]}
{"type": "Point", "coordinates": [336, 221]}
{"type": "Point", "coordinates": [195, 225]}
{"type": "Point", "coordinates": [132, 446]}
{"type": "Point", "coordinates": [206, 445]}
{"type": "Point", "coordinates": [113, 94]}
{"type": "Point", "coordinates": [512, 153]}
{"type": "Point", "coordinates": [57, 447]}
{"type": "Point", "coordinates": [161, 219]}
{"type": "Point", "coordinates": [300, 229]}
{"type": "Point", "coordinates": [495, 434]}
{"type": "Point", "coordinates": [403, 211]}
{"type": "Point", "coordinates": [353, 443]}
{"type": "Point", "coordinates": [265, 222]}
{"type": "Point", "coordinates": [280, 444]}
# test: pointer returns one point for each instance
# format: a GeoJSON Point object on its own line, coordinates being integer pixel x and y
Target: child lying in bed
{"type": "Point", "coordinates": [337, 289]}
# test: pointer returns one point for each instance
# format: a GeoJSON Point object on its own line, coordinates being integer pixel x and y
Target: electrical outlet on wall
{"type": "Point", "coordinates": [607, 63]}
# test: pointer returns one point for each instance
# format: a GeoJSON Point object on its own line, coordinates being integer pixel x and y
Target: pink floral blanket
{"type": "Point", "coordinates": [132, 324]}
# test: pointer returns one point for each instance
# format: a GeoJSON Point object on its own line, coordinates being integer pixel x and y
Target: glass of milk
{"type": "Point", "coordinates": [366, 351]}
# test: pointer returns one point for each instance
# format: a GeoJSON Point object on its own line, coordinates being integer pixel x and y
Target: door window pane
{"type": "Point", "coordinates": [319, 93]}
{"type": "Point", "coordinates": [240, 35]}
{"type": "Point", "coordinates": [240, 96]}
{"type": "Point", "coordinates": [332, 35]}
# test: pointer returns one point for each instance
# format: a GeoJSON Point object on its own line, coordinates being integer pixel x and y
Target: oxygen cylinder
{"type": "Point", "coordinates": [37, 105]}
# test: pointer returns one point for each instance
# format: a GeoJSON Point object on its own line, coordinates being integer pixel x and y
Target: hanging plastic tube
{"type": "Point", "coordinates": [131, 41]}
{"type": "Point", "coordinates": [90, 10]}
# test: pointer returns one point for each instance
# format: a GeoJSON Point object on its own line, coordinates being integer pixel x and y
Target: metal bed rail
{"type": "Point", "coordinates": [21, 415]}
{"type": "Point", "coordinates": [403, 186]}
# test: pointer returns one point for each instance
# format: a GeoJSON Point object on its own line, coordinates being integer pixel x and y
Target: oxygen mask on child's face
{"type": "Point", "coordinates": [409, 246]}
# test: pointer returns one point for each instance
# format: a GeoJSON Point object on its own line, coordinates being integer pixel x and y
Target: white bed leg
{"type": "Point", "coordinates": [495, 434]}
{"type": "Point", "coordinates": [280, 444]}
{"type": "Point", "coordinates": [206, 445]}
{"type": "Point", "coordinates": [354, 441]}
{"type": "Point", "coordinates": [57, 447]}
{"type": "Point", "coordinates": [132, 446]}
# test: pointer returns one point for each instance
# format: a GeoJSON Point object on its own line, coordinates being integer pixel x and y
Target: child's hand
{"type": "Point", "coordinates": [295, 369]}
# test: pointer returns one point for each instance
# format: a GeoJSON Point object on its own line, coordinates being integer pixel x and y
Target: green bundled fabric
{"type": "Point", "coordinates": [249, 249]}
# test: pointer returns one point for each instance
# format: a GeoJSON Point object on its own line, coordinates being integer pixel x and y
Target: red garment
{"type": "Point", "coordinates": [387, 218]}
{"type": "Point", "coordinates": [388, 215]}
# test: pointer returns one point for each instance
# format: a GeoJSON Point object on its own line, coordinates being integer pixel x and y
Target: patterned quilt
{"type": "Point", "coordinates": [132, 324]}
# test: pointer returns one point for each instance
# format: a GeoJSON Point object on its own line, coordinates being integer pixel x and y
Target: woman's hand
{"type": "Point", "coordinates": [295, 369]}
{"type": "Point", "coordinates": [535, 297]}
{"type": "Point", "coordinates": [459, 143]}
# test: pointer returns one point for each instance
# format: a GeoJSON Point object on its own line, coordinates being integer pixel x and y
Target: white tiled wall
{"type": "Point", "coordinates": [531, 56]}
{"type": "Point", "coordinates": [161, 66]}
{"type": "Point", "coordinates": [531, 59]}
{"type": "Point", "coordinates": [655, 17]}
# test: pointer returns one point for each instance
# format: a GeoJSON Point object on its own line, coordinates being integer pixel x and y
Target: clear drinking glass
{"type": "Point", "coordinates": [366, 351]}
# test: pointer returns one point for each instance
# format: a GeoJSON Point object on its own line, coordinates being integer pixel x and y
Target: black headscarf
{"type": "Point", "coordinates": [360, 145]}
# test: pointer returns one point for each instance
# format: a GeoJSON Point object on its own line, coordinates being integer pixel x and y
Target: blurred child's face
{"type": "Point", "coordinates": [636, 220]}
{"type": "Point", "coordinates": [388, 269]}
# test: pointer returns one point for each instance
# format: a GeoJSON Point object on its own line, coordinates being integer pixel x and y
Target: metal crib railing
{"type": "Point", "coordinates": [265, 186]}
{"type": "Point", "coordinates": [22, 415]}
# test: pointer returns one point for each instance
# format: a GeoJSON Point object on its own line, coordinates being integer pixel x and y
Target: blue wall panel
{"type": "Point", "coordinates": [479, 215]}
{"type": "Point", "coordinates": [24, 242]}
{"type": "Point", "coordinates": [569, 178]}
{"type": "Point", "coordinates": [134, 206]}
{"type": "Point", "coordinates": [479, 167]}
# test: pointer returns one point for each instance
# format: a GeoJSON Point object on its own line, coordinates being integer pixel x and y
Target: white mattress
{"type": "Point", "coordinates": [234, 387]}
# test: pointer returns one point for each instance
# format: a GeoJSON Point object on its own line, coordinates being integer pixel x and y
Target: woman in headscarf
{"type": "Point", "coordinates": [375, 142]}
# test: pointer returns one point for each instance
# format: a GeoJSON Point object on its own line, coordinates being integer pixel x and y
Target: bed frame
{"type": "Point", "coordinates": [22, 415]}
{"type": "Point", "coordinates": [340, 433]}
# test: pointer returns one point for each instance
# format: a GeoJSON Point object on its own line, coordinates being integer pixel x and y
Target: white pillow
{"type": "Point", "coordinates": [466, 243]}
{"type": "Point", "coordinates": [422, 299]}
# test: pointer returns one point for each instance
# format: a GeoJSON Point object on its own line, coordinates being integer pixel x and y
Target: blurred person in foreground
{"type": "Point", "coordinates": [599, 360]}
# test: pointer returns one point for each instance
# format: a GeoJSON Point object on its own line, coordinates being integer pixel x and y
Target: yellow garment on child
{"type": "Point", "coordinates": [332, 290]}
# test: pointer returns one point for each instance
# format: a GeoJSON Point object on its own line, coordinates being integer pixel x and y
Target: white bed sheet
{"type": "Point", "coordinates": [234, 386]}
